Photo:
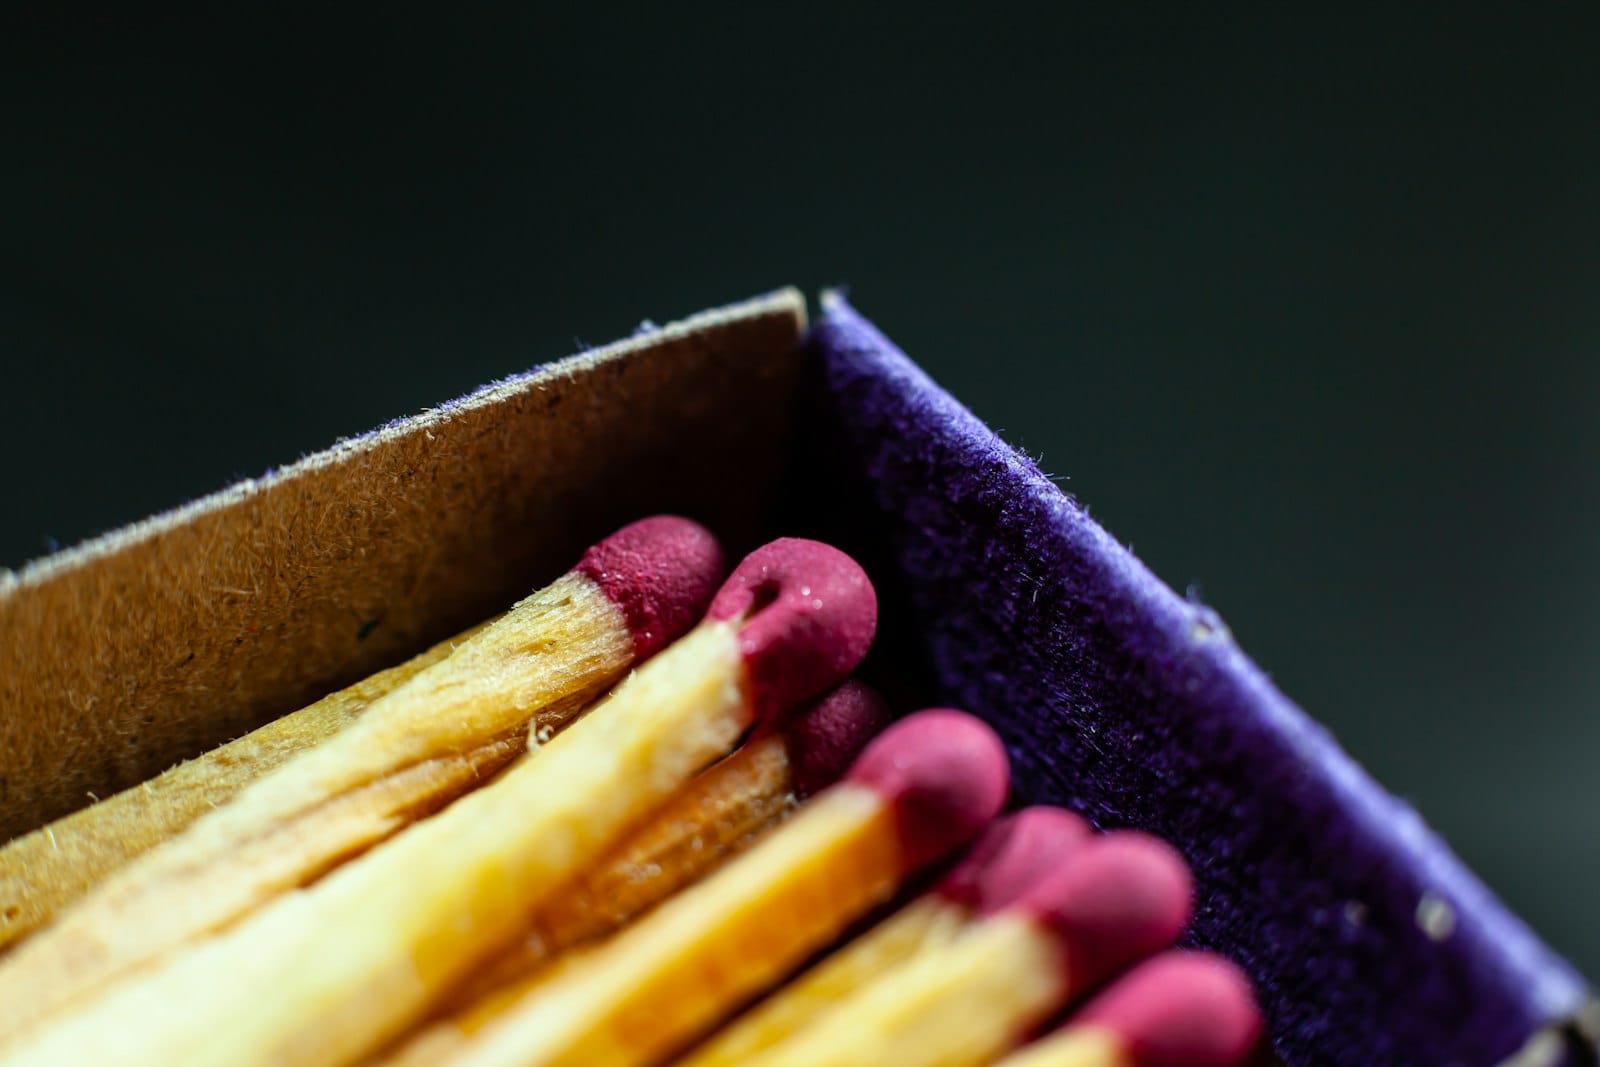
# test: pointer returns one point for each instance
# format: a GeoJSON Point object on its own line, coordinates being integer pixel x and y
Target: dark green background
{"type": "Point", "coordinates": [1306, 310]}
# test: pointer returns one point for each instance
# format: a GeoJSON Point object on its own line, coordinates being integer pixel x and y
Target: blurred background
{"type": "Point", "coordinates": [1305, 311]}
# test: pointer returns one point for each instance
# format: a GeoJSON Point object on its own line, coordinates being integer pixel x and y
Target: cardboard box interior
{"type": "Point", "coordinates": [156, 642]}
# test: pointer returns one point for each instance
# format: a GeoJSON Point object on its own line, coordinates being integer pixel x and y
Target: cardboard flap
{"type": "Point", "coordinates": [158, 641]}
{"type": "Point", "coordinates": [1370, 942]}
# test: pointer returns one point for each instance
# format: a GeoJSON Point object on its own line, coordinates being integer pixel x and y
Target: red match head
{"type": "Point", "coordinates": [1180, 1009]}
{"type": "Point", "coordinates": [825, 735]}
{"type": "Point", "coordinates": [1013, 854]}
{"type": "Point", "coordinates": [1123, 896]}
{"type": "Point", "coordinates": [806, 615]}
{"type": "Point", "coordinates": [946, 774]}
{"type": "Point", "coordinates": [661, 572]}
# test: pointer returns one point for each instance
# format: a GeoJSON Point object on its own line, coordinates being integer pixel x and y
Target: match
{"type": "Point", "coordinates": [418, 747]}
{"type": "Point", "coordinates": [962, 1002]}
{"type": "Point", "coordinates": [1179, 1009]}
{"type": "Point", "coordinates": [43, 872]}
{"type": "Point", "coordinates": [1013, 854]}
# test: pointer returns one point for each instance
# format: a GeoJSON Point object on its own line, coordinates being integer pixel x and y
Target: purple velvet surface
{"type": "Point", "coordinates": [1127, 703]}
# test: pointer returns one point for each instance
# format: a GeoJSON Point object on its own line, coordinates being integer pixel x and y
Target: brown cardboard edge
{"type": "Point", "coordinates": [159, 640]}
{"type": "Point", "coordinates": [788, 300]}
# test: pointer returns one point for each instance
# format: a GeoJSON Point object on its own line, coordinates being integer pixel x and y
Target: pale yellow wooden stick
{"type": "Point", "coordinates": [674, 835]}
{"type": "Point", "coordinates": [718, 814]}
{"type": "Point", "coordinates": [1010, 858]}
{"type": "Point", "coordinates": [44, 871]}
{"type": "Point", "coordinates": [419, 746]}
{"type": "Point", "coordinates": [323, 976]}
{"type": "Point", "coordinates": [964, 1001]}
{"type": "Point", "coordinates": [919, 791]}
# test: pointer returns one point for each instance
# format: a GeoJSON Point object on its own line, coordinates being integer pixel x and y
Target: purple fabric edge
{"type": "Point", "coordinates": [1485, 988]}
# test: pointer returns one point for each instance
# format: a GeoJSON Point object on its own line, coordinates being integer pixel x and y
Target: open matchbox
{"type": "Point", "coordinates": [1369, 942]}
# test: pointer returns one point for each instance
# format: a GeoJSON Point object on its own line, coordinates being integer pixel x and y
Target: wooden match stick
{"type": "Point", "coordinates": [965, 1001]}
{"type": "Point", "coordinates": [719, 813]}
{"type": "Point", "coordinates": [920, 790]}
{"type": "Point", "coordinates": [44, 871]}
{"type": "Point", "coordinates": [413, 750]}
{"type": "Point", "coordinates": [1180, 1009]}
{"type": "Point", "coordinates": [1007, 861]}
{"type": "Point", "coordinates": [324, 975]}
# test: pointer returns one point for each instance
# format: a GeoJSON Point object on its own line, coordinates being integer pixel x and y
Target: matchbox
{"type": "Point", "coordinates": [1368, 941]}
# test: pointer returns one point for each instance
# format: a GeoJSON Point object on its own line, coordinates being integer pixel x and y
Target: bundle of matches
{"type": "Point", "coordinates": [507, 856]}
{"type": "Point", "coordinates": [1038, 913]}
{"type": "Point", "coordinates": [424, 735]}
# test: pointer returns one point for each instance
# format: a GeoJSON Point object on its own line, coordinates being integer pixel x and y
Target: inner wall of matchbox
{"type": "Point", "coordinates": [169, 638]}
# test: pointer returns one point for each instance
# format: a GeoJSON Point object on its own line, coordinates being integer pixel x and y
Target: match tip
{"type": "Point", "coordinates": [946, 774]}
{"type": "Point", "coordinates": [1180, 1009]}
{"type": "Point", "coordinates": [1123, 896]}
{"type": "Point", "coordinates": [824, 736]}
{"type": "Point", "coordinates": [806, 615]}
{"type": "Point", "coordinates": [1012, 856]}
{"type": "Point", "coordinates": [661, 572]}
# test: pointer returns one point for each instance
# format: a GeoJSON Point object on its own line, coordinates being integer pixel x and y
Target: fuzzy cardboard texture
{"type": "Point", "coordinates": [1370, 943]}
{"type": "Point", "coordinates": [160, 641]}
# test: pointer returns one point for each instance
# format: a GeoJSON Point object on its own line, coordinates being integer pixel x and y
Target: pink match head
{"type": "Point", "coordinates": [946, 775]}
{"type": "Point", "coordinates": [661, 573]}
{"type": "Point", "coordinates": [806, 615]}
{"type": "Point", "coordinates": [1123, 896]}
{"type": "Point", "coordinates": [825, 735]}
{"type": "Point", "coordinates": [1014, 853]}
{"type": "Point", "coordinates": [1180, 1009]}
